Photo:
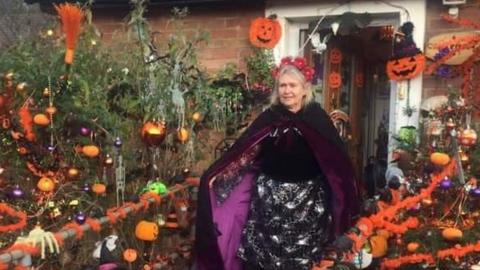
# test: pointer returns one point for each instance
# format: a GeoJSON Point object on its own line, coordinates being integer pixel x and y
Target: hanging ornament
{"type": "Point", "coordinates": [50, 148]}
{"type": "Point", "coordinates": [475, 192]}
{"type": "Point", "coordinates": [99, 188]}
{"type": "Point", "coordinates": [130, 255]}
{"type": "Point", "coordinates": [452, 234]}
{"type": "Point", "coordinates": [46, 92]}
{"type": "Point", "coordinates": [17, 192]}
{"type": "Point", "coordinates": [413, 246]}
{"type": "Point", "coordinates": [440, 159]}
{"type": "Point", "coordinates": [446, 183]}
{"type": "Point", "coordinates": [85, 131]}
{"type": "Point", "coordinates": [117, 142]}
{"type": "Point", "coordinates": [46, 184]}
{"type": "Point", "coordinates": [197, 117]}
{"type": "Point", "coordinates": [80, 218]}
{"type": "Point", "coordinates": [86, 187]}
{"type": "Point", "coordinates": [21, 87]}
{"type": "Point", "coordinates": [90, 151]}
{"type": "Point", "coordinates": [464, 158]}
{"type": "Point", "coordinates": [334, 80]}
{"type": "Point", "coordinates": [335, 56]}
{"type": "Point", "coordinates": [146, 230]}
{"type": "Point", "coordinates": [450, 124]}
{"type": "Point", "coordinates": [153, 133]}
{"type": "Point", "coordinates": [72, 173]}
{"type": "Point", "coordinates": [41, 120]}
{"type": "Point", "coordinates": [265, 32]}
{"type": "Point", "coordinates": [182, 135]}
{"type": "Point", "coordinates": [108, 160]}
{"type": "Point", "coordinates": [51, 110]}
{"type": "Point", "coordinates": [71, 16]}
{"type": "Point", "coordinates": [468, 137]}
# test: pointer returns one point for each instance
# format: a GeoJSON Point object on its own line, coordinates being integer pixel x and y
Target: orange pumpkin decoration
{"type": "Point", "coordinates": [265, 32]}
{"type": "Point", "coordinates": [413, 246]}
{"type": "Point", "coordinates": [146, 230]}
{"type": "Point", "coordinates": [72, 172]}
{"type": "Point", "coordinates": [336, 56]}
{"type": "Point", "coordinates": [452, 234]}
{"type": "Point", "coordinates": [90, 151]}
{"type": "Point", "coordinates": [379, 246]}
{"type": "Point", "coordinates": [405, 68]}
{"type": "Point", "coordinates": [41, 119]}
{"type": "Point", "coordinates": [334, 80]}
{"type": "Point", "coordinates": [99, 188]}
{"type": "Point", "coordinates": [130, 255]}
{"type": "Point", "coordinates": [182, 135]}
{"type": "Point", "coordinates": [196, 117]}
{"type": "Point", "coordinates": [440, 159]}
{"type": "Point", "coordinates": [153, 133]}
{"type": "Point", "coordinates": [51, 110]}
{"type": "Point", "coordinates": [46, 184]}
{"type": "Point", "coordinates": [468, 137]}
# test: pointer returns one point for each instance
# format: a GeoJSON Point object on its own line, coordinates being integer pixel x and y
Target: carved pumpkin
{"type": "Point", "coordinates": [334, 80]}
{"type": "Point", "coordinates": [440, 159]}
{"type": "Point", "coordinates": [46, 184]}
{"type": "Point", "coordinates": [336, 56]}
{"type": "Point", "coordinates": [405, 68]}
{"type": "Point", "coordinates": [452, 234]}
{"type": "Point", "coordinates": [265, 33]}
{"type": "Point", "coordinates": [90, 151]}
{"type": "Point", "coordinates": [130, 255]}
{"type": "Point", "coordinates": [146, 230]}
{"type": "Point", "coordinates": [153, 133]}
{"type": "Point", "coordinates": [41, 119]}
{"type": "Point", "coordinates": [379, 246]}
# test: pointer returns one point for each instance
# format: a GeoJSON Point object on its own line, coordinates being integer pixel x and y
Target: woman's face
{"type": "Point", "coordinates": [291, 92]}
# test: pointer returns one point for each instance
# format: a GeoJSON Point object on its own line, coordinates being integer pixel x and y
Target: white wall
{"type": "Point", "coordinates": [295, 15]}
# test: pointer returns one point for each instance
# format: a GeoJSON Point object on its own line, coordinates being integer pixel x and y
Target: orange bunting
{"type": "Point", "coordinates": [7, 210]}
{"type": "Point", "coordinates": [26, 120]}
{"type": "Point", "coordinates": [71, 16]}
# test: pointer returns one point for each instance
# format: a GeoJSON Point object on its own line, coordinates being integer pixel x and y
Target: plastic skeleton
{"type": "Point", "coordinates": [38, 236]}
{"type": "Point", "coordinates": [120, 180]}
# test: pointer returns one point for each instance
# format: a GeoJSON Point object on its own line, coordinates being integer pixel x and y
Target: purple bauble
{"type": "Point", "coordinates": [475, 192]}
{"type": "Point", "coordinates": [17, 192]}
{"type": "Point", "coordinates": [84, 131]}
{"type": "Point", "coordinates": [117, 142]}
{"type": "Point", "coordinates": [80, 218]}
{"type": "Point", "coordinates": [51, 148]}
{"type": "Point", "coordinates": [446, 183]}
{"type": "Point", "coordinates": [86, 188]}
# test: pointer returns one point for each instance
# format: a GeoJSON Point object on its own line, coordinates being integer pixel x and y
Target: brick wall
{"type": "Point", "coordinates": [226, 24]}
{"type": "Point", "coordinates": [433, 85]}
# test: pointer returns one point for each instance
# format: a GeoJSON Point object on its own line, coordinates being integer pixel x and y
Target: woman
{"type": "Point", "coordinates": [282, 191]}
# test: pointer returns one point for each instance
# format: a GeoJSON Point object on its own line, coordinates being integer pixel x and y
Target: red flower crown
{"type": "Point", "coordinates": [300, 63]}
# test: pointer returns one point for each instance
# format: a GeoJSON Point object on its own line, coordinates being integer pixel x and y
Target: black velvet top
{"type": "Point", "coordinates": [286, 156]}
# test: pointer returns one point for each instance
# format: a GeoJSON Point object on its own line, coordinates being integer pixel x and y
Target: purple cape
{"type": "Point", "coordinates": [219, 226]}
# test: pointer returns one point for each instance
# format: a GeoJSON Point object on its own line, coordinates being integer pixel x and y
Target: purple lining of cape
{"type": "Point", "coordinates": [107, 266]}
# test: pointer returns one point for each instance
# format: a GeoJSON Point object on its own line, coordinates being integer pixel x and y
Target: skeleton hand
{"type": "Point", "coordinates": [38, 236]}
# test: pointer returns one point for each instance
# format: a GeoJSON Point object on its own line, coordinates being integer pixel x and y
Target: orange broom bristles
{"type": "Point", "coordinates": [71, 16]}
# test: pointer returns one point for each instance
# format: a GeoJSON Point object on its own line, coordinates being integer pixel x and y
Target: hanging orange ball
{"type": "Point", "coordinates": [90, 151]}
{"type": "Point", "coordinates": [46, 184]}
{"type": "Point", "coordinates": [452, 233]}
{"type": "Point", "coordinates": [72, 172]}
{"type": "Point", "coordinates": [51, 110]}
{"type": "Point", "coordinates": [99, 188]}
{"type": "Point", "coordinates": [182, 135]}
{"type": "Point", "coordinates": [41, 119]}
{"type": "Point", "coordinates": [196, 117]}
{"type": "Point", "coordinates": [130, 255]}
{"type": "Point", "coordinates": [441, 159]}
{"type": "Point", "coordinates": [413, 246]}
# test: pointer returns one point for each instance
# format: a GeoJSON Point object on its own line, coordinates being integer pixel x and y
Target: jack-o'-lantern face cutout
{"type": "Point", "coordinates": [335, 56]}
{"type": "Point", "coordinates": [265, 33]}
{"type": "Point", "coordinates": [405, 68]}
{"type": "Point", "coordinates": [334, 80]}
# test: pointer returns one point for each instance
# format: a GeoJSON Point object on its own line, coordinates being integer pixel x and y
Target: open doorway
{"type": "Point", "coordinates": [363, 96]}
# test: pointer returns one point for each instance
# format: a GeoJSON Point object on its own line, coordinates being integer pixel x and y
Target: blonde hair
{"type": "Point", "coordinates": [292, 70]}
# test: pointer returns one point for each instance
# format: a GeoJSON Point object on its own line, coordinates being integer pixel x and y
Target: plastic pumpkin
{"type": "Point", "coordinates": [379, 246]}
{"type": "Point", "coordinates": [413, 246]}
{"type": "Point", "coordinates": [452, 234]}
{"type": "Point", "coordinates": [441, 159]}
{"type": "Point", "coordinates": [130, 255]}
{"type": "Point", "coordinates": [265, 32]}
{"type": "Point", "coordinates": [46, 184]}
{"type": "Point", "coordinates": [146, 230]}
{"type": "Point", "coordinates": [334, 80]}
{"type": "Point", "coordinates": [405, 68]}
{"type": "Point", "coordinates": [90, 151]}
{"type": "Point", "coordinates": [41, 119]}
{"type": "Point", "coordinates": [99, 188]}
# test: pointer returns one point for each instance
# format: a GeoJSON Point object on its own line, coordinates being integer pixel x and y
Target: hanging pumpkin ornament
{"type": "Point", "coordinates": [51, 110]}
{"type": "Point", "coordinates": [440, 159]}
{"type": "Point", "coordinates": [41, 119]}
{"type": "Point", "coordinates": [146, 230]}
{"type": "Point", "coordinates": [182, 135]}
{"type": "Point", "coordinates": [99, 188]}
{"type": "Point", "coordinates": [90, 151]}
{"type": "Point", "coordinates": [413, 246]}
{"type": "Point", "coordinates": [334, 80]}
{"type": "Point", "coordinates": [407, 61]}
{"type": "Point", "coordinates": [46, 184]}
{"type": "Point", "coordinates": [335, 56]}
{"type": "Point", "coordinates": [130, 255]}
{"type": "Point", "coordinates": [71, 16]}
{"type": "Point", "coordinates": [153, 133]}
{"type": "Point", "coordinates": [265, 32]}
{"type": "Point", "coordinates": [72, 173]}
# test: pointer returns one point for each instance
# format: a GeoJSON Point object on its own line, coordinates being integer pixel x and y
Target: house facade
{"type": "Point", "coordinates": [375, 110]}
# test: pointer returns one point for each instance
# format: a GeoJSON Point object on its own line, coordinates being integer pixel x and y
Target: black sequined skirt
{"type": "Point", "coordinates": [288, 224]}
